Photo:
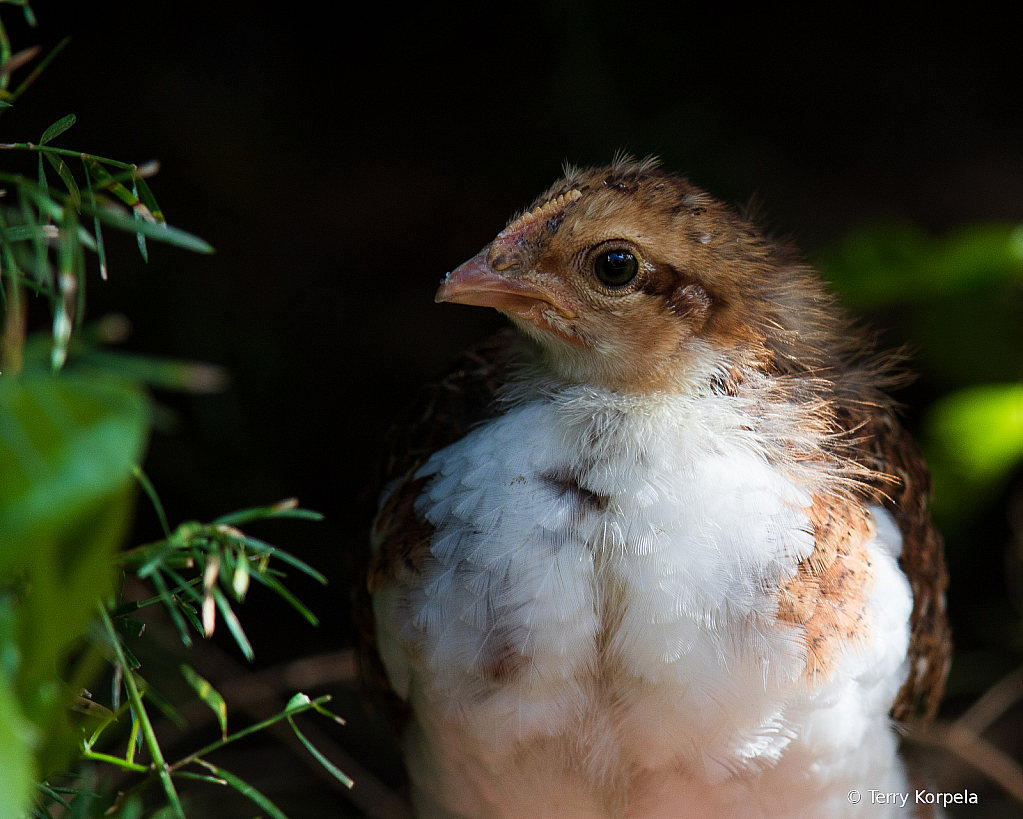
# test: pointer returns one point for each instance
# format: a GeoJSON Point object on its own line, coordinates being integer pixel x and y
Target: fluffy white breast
{"type": "Point", "coordinates": [598, 615]}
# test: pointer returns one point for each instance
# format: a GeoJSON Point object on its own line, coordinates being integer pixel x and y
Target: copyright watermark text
{"type": "Point", "coordinates": [917, 797]}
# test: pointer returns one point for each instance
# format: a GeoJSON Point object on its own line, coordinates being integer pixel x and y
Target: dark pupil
{"type": "Point", "coordinates": [616, 267]}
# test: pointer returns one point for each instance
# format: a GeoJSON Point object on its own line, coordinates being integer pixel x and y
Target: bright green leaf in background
{"type": "Point", "coordinates": [18, 736]}
{"type": "Point", "coordinates": [975, 439]}
{"type": "Point", "coordinates": [959, 298]}
{"type": "Point", "coordinates": [67, 448]}
{"type": "Point", "coordinates": [901, 263]}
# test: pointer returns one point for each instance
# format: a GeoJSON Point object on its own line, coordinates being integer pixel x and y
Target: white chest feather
{"type": "Point", "coordinates": [597, 626]}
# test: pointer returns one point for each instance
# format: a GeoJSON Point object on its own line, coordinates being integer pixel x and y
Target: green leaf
{"type": "Point", "coordinates": [973, 440]}
{"type": "Point", "coordinates": [84, 705]}
{"type": "Point", "coordinates": [124, 609]}
{"type": "Point", "coordinates": [132, 628]}
{"type": "Point", "coordinates": [259, 547]}
{"type": "Point", "coordinates": [245, 789]}
{"type": "Point", "coordinates": [233, 623]}
{"type": "Point", "coordinates": [67, 446]}
{"type": "Point", "coordinates": [240, 578]}
{"type": "Point", "coordinates": [100, 248]}
{"type": "Point", "coordinates": [141, 213]}
{"type": "Point", "coordinates": [65, 443]}
{"type": "Point", "coordinates": [58, 128]}
{"type": "Point", "coordinates": [326, 763]}
{"type": "Point", "coordinates": [980, 429]}
{"type": "Point", "coordinates": [160, 232]}
{"type": "Point", "coordinates": [26, 193]}
{"type": "Point", "coordinates": [19, 739]}
{"type": "Point", "coordinates": [899, 262]}
{"type": "Point", "coordinates": [110, 183]}
{"type": "Point", "coordinates": [146, 219]}
{"type": "Point", "coordinates": [146, 195]}
{"type": "Point", "coordinates": [21, 233]}
{"type": "Point", "coordinates": [208, 694]}
{"type": "Point", "coordinates": [67, 283]}
{"type": "Point", "coordinates": [74, 193]}
{"type": "Point", "coordinates": [175, 609]}
{"type": "Point", "coordinates": [282, 509]}
{"type": "Point", "coordinates": [54, 794]}
{"type": "Point", "coordinates": [301, 702]}
{"type": "Point", "coordinates": [151, 558]}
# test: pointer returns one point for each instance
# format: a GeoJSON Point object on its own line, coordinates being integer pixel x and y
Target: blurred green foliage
{"type": "Point", "coordinates": [975, 440]}
{"type": "Point", "coordinates": [74, 423]}
{"type": "Point", "coordinates": [67, 447]}
{"type": "Point", "coordinates": [895, 262]}
{"type": "Point", "coordinates": [960, 299]}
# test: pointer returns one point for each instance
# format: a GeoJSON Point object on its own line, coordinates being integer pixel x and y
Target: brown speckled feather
{"type": "Point", "coordinates": [444, 412]}
{"type": "Point", "coordinates": [828, 597]}
{"type": "Point", "coordinates": [886, 448]}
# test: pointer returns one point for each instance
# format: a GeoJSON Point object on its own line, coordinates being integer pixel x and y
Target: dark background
{"type": "Point", "coordinates": [340, 163]}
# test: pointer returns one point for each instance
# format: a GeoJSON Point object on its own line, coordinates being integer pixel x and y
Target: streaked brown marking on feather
{"type": "Point", "coordinates": [828, 596]}
{"type": "Point", "coordinates": [563, 482]}
{"type": "Point", "coordinates": [498, 662]}
{"type": "Point", "coordinates": [545, 211]}
{"type": "Point", "coordinates": [443, 412]}
{"type": "Point", "coordinates": [904, 488]}
{"type": "Point", "coordinates": [400, 538]}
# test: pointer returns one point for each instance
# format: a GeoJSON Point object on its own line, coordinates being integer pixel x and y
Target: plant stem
{"type": "Point", "coordinates": [259, 726]}
{"type": "Point", "coordinates": [140, 714]}
{"type": "Point", "coordinates": [95, 756]}
{"type": "Point", "coordinates": [14, 330]}
{"type": "Point", "coordinates": [47, 149]}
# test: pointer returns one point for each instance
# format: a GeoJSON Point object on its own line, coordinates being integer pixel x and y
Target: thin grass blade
{"type": "Point", "coordinates": [158, 232]}
{"type": "Point", "coordinates": [154, 498]}
{"type": "Point", "coordinates": [326, 763]}
{"type": "Point", "coordinates": [100, 248]}
{"type": "Point", "coordinates": [233, 624]}
{"type": "Point", "coordinates": [245, 789]}
{"type": "Point", "coordinates": [282, 591]}
{"type": "Point", "coordinates": [171, 606]}
{"type": "Point", "coordinates": [263, 548]}
{"type": "Point", "coordinates": [282, 509]}
{"type": "Point", "coordinates": [146, 195]}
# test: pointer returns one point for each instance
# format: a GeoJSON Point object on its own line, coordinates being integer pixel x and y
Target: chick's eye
{"type": "Point", "coordinates": [616, 267]}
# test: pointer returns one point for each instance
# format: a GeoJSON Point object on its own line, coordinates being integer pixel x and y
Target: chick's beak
{"type": "Point", "coordinates": [480, 283]}
{"type": "Point", "coordinates": [492, 281]}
